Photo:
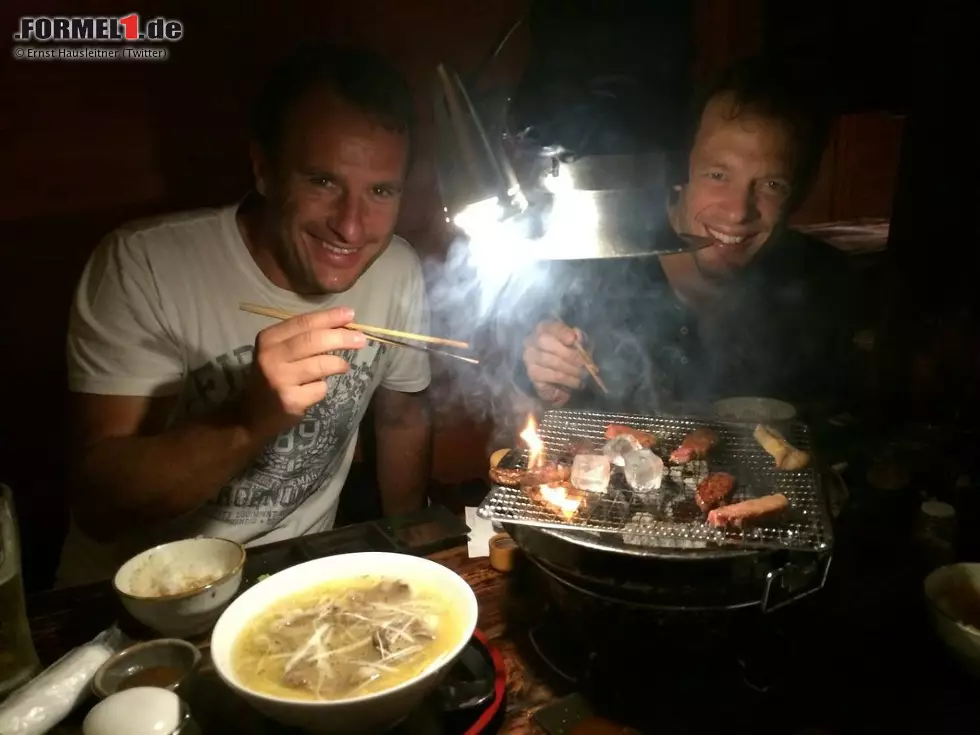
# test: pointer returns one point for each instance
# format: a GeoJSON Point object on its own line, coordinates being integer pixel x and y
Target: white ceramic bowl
{"type": "Point", "coordinates": [369, 713]}
{"type": "Point", "coordinates": [188, 609]}
{"type": "Point", "coordinates": [963, 641]}
{"type": "Point", "coordinates": [757, 410]}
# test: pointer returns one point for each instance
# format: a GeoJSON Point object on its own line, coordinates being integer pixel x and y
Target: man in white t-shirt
{"type": "Point", "coordinates": [197, 418]}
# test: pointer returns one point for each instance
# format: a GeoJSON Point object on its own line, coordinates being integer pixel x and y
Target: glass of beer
{"type": "Point", "coordinates": [18, 659]}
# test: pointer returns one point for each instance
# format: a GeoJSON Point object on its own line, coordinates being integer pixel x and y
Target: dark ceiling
{"type": "Point", "coordinates": [858, 56]}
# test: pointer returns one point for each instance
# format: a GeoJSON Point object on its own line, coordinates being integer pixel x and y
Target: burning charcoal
{"type": "Point", "coordinates": [591, 472]}
{"type": "Point", "coordinates": [618, 447]}
{"type": "Point", "coordinates": [644, 470]}
{"type": "Point", "coordinates": [697, 468]}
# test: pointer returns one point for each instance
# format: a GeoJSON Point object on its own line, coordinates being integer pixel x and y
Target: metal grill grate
{"type": "Point", "coordinates": [669, 517]}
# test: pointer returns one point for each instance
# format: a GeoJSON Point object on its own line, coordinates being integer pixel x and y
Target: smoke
{"type": "Point", "coordinates": [655, 354]}
{"type": "Point", "coordinates": [489, 291]}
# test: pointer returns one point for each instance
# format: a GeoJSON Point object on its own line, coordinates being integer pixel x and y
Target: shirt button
{"type": "Point", "coordinates": [683, 361]}
{"type": "Point", "coordinates": [684, 331]}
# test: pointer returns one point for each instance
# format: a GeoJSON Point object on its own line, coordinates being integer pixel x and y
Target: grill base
{"type": "Point", "coordinates": [742, 579]}
{"type": "Point", "coordinates": [652, 669]}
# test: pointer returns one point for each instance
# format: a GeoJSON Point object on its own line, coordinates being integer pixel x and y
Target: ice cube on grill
{"type": "Point", "coordinates": [644, 470]}
{"type": "Point", "coordinates": [591, 472]}
{"type": "Point", "coordinates": [619, 446]}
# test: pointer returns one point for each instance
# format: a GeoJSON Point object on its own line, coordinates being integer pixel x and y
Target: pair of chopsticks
{"type": "Point", "coordinates": [590, 365]}
{"type": "Point", "coordinates": [373, 333]}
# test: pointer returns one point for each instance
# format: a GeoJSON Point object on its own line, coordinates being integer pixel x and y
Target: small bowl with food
{"type": "Point", "coordinates": [953, 593]}
{"type": "Point", "coordinates": [345, 644]}
{"type": "Point", "coordinates": [180, 589]}
{"type": "Point", "coordinates": [166, 663]}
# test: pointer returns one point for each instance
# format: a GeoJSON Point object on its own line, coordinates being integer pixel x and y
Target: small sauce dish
{"type": "Point", "coordinates": [166, 663]}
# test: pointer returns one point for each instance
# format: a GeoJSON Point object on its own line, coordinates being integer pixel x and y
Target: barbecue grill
{"type": "Point", "coordinates": [654, 550]}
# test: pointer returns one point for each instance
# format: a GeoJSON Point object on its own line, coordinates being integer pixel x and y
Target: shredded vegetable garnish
{"type": "Point", "coordinates": [339, 644]}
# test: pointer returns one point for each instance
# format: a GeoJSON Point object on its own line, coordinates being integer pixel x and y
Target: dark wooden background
{"type": "Point", "coordinates": [87, 146]}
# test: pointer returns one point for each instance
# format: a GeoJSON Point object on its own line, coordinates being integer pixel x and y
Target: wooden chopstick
{"type": "Point", "coordinates": [591, 367]}
{"type": "Point", "coordinates": [267, 311]}
{"type": "Point", "coordinates": [586, 358]}
{"type": "Point", "coordinates": [283, 314]}
{"type": "Point", "coordinates": [409, 335]}
{"type": "Point", "coordinates": [422, 348]}
{"type": "Point", "coordinates": [275, 313]}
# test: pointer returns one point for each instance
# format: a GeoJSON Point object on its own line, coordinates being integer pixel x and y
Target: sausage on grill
{"type": "Point", "coordinates": [748, 510]}
{"type": "Point", "coordinates": [645, 438]}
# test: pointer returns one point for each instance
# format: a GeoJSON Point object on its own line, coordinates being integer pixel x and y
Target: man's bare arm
{"type": "Point", "coordinates": [129, 473]}
{"type": "Point", "coordinates": [404, 436]}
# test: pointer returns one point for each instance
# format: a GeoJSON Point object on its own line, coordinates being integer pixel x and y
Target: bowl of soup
{"type": "Point", "coordinates": [345, 644]}
{"type": "Point", "coordinates": [953, 594]}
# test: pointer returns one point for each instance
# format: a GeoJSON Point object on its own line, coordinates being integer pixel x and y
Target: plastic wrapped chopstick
{"type": "Point", "coordinates": [48, 698]}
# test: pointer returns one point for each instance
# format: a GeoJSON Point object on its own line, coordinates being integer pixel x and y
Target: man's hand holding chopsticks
{"type": "Point", "coordinates": [554, 365]}
{"type": "Point", "coordinates": [291, 360]}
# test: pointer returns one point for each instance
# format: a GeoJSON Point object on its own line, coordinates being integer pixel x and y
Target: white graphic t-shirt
{"type": "Point", "coordinates": [156, 313]}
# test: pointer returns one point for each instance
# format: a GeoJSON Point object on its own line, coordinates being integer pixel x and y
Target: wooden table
{"type": "Point", "coordinates": [856, 665]}
{"type": "Point", "coordinates": [63, 619]}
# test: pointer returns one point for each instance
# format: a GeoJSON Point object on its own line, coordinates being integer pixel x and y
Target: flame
{"type": "Point", "coordinates": [557, 495]}
{"type": "Point", "coordinates": [534, 443]}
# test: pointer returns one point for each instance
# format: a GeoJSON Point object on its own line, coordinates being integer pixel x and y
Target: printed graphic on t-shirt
{"type": "Point", "coordinates": [300, 460]}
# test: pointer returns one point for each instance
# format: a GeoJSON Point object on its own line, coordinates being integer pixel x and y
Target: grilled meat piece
{"type": "Point", "coordinates": [696, 445]}
{"type": "Point", "coordinates": [748, 510]}
{"type": "Point", "coordinates": [545, 474]}
{"type": "Point", "coordinates": [548, 474]}
{"type": "Point", "coordinates": [786, 455]}
{"type": "Point", "coordinates": [507, 477]}
{"type": "Point", "coordinates": [713, 490]}
{"type": "Point", "coordinates": [645, 438]}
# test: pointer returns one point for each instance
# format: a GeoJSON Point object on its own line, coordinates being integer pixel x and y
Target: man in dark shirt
{"type": "Point", "coordinates": [763, 311]}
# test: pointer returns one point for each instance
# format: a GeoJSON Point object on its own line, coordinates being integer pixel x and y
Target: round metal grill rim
{"type": "Point", "coordinates": [680, 555]}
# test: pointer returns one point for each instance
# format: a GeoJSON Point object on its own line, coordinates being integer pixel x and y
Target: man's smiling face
{"type": "Point", "coordinates": [740, 172]}
{"type": "Point", "coordinates": [334, 188]}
